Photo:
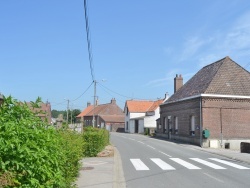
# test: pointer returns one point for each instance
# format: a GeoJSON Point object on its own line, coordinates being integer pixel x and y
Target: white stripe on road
{"type": "Point", "coordinates": [150, 147]}
{"type": "Point", "coordinates": [140, 142]}
{"type": "Point", "coordinates": [165, 154]}
{"type": "Point", "coordinates": [138, 164]}
{"type": "Point", "coordinates": [185, 164]}
{"type": "Point", "coordinates": [162, 164]}
{"type": "Point", "coordinates": [229, 164]}
{"type": "Point", "coordinates": [131, 139]}
{"type": "Point", "coordinates": [207, 163]}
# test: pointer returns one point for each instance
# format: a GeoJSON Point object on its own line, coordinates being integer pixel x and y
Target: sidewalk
{"type": "Point", "coordinates": [232, 154]}
{"type": "Point", "coordinates": [102, 172]}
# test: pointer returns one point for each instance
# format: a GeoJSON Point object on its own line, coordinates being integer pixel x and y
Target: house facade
{"type": "Point", "coordinates": [109, 116]}
{"type": "Point", "coordinates": [141, 115]}
{"type": "Point", "coordinates": [212, 109]}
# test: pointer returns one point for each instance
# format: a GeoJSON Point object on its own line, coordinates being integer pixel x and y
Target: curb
{"type": "Point", "coordinates": [118, 176]}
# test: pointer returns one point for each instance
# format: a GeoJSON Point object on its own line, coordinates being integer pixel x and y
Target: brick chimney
{"type": "Point", "coordinates": [178, 82]}
{"type": "Point", "coordinates": [88, 104]}
{"type": "Point", "coordinates": [113, 101]}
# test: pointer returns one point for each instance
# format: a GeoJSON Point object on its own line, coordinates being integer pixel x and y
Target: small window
{"type": "Point", "coordinates": [192, 131]}
{"type": "Point", "coordinates": [126, 125]}
{"type": "Point", "coordinates": [176, 125]}
{"type": "Point", "coordinates": [165, 124]}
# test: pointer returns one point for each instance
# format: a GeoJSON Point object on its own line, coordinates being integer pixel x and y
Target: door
{"type": "Point", "coordinates": [136, 126]}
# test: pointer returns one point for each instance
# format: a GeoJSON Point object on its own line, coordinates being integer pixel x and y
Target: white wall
{"type": "Point", "coordinates": [150, 121]}
{"type": "Point", "coordinates": [131, 123]}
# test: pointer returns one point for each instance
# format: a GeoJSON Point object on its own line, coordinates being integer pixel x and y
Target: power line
{"type": "Point", "coordinates": [83, 92]}
{"type": "Point", "coordinates": [121, 94]}
{"type": "Point", "coordinates": [88, 40]}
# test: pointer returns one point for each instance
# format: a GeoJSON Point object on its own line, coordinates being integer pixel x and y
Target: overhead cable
{"type": "Point", "coordinates": [88, 40]}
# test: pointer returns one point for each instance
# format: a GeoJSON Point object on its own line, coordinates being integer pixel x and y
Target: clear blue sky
{"type": "Point", "coordinates": [138, 46]}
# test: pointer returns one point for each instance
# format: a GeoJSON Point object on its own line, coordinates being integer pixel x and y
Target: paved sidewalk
{"type": "Point", "coordinates": [102, 172]}
{"type": "Point", "coordinates": [232, 154]}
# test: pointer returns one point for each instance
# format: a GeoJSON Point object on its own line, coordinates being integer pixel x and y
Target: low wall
{"type": "Point", "coordinates": [226, 144]}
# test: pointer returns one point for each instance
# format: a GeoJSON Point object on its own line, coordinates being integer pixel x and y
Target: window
{"type": "Point", "coordinates": [165, 124]}
{"type": "Point", "coordinates": [176, 125]}
{"type": "Point", "coordinates": [192, 131]}
{"type": "Point", "coordinates": [126, 125]}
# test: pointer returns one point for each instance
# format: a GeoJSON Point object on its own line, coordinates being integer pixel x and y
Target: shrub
{"type": "Point", "coordinates": [32, 153]}
{"type": "Point", "coordinates": [95, 140]}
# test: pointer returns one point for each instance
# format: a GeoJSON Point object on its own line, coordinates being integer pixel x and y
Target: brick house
{"type": "Point", "coordinates": [43, 112]}
{"type": "Point", "coordinates": [141, 115]}
{"type": "Point", "coordinates": [215, 99]}
{"type": "Point", "coordinates": [109, 116]}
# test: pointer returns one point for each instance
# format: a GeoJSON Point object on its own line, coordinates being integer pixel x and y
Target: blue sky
{"type": "Point", "coordinates": [138, 46]}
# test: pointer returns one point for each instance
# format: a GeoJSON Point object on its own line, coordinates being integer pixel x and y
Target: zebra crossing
{"type": "Point", "coordinates": [213, 163]}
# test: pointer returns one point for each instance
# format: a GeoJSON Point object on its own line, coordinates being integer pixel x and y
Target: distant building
{"type": "Point", "coordinates": [212, 109]}
{"type": "Point", "coordinates": [141, 115]}
{"type": "Point", "coordinates": [44, 112]}
{"type": "Point", "coordinates": [109, 116]}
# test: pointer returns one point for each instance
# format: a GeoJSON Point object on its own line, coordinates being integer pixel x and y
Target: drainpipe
{"type": "Point", "coordinates": [201, 127]}
{"type": "Point", "coordinates": [221, 135]}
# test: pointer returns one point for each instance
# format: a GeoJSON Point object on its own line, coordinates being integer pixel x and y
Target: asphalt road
{"type": "Point", "coordinates": [153, 163]}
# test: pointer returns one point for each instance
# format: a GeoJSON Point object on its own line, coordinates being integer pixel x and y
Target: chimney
{"type": "Point", "coordinates": [88, 104]}
{"type": "Point", "coordinates": [178, 82]}
{"type": "Point", "coordinates": [113, 101]}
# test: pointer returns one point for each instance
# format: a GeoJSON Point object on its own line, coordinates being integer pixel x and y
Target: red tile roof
{"type": "Point", "coordinates": [103, 109]}
{"type": "Point", "coordinates": [142, 106]}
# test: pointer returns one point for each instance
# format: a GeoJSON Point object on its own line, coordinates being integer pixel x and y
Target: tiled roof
{"type": "Point", "coordinates": [103, 109]}
{"type": "Point", "coordinates": [113, 118]}
{"type": "Point", "coordinates": [85, 111]}
{"type": "Point", "coordinates": [142, 106]}
{"type": "Point", "coordinates": [223, 77]}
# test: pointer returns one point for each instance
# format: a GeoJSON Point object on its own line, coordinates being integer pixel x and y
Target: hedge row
{"type": "Point", "coordinates": [95, 140]}
{"type": "Point", "coordinates": [33, 154]}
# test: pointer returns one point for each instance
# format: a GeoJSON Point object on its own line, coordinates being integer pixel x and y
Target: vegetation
{"type": "Point", "coordinates": [34, 154]}
{"type": "Point", "coordinates": [95, 140]}
{"type": "Point", "coordinates": [74, 112]}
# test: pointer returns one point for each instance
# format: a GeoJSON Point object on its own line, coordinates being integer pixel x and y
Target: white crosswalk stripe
{"type": "Point", "coordinates": [162, 164]}
{"type": "Point", "coordinates": [229, 163]}
{"type": "Point", "coordinates": [138, 164]}
{"type": "Point", "coordinates": [185, 164]}
{"type": "Point", "coordinates": [207, 163]}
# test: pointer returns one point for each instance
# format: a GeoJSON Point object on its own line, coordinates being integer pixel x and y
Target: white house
{"type": "Point", "coordinates": [140, 115]}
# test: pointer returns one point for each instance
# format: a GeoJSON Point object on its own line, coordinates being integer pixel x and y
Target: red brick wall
{"type": "Point", "coordinates": [183, 110]}
{"type": "Point", "coordinates": [232, 116]}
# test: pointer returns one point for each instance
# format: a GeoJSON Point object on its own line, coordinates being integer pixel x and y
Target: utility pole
{"type": "Point", "coordinates": [94, 103]}
{"type": "Point", "coordinates": [67, 111]}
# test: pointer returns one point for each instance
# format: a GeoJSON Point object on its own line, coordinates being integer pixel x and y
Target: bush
{"type": "Point", "coordinates": [32, 153]}
{"type": "Point", "coordinates": [95, 140]}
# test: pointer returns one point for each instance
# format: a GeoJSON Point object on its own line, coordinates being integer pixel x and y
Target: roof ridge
{"type": "Point", "coordinates": [223, 61]}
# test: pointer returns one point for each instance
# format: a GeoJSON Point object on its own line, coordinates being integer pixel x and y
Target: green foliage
{"type": "Point", "coordinates": [73, 149]}
{"type": "Point", "coordinates": [32, 153]}
{"type": "Point", "coordinates": [95, 140]}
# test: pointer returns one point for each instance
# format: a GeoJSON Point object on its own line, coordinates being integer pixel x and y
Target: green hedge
{"type": "Point", "coordinates": [34, 154]}
{"type": "Point", "coordinates": [95, 140]}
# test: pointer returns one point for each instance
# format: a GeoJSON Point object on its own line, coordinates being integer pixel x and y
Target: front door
{"type": "Point", "coordinates": [136, 126]}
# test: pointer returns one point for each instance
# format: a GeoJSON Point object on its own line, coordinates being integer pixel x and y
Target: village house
{"type": "Point", "coordinates": [43, 112]}
{"type": "Point", "coordinates": [109, 116]}
{"type": "Point", "coordinates": [141, 115]}
{"type": "Point", "coordinates": [212, 109]}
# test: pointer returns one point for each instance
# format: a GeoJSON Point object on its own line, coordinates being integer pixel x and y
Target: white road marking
{"type": "Point", "coordinates": [162, 164]}
{"type": "Point", "coordinates": [229, 163]}
{"type": "Point", "coordinates": [131, 139]}
{"type": "Point", "coordinates": [185, 164]}
{"type": "Point", "coordinates": [138, 164]}
{"type": "Point", "coordinates": [212, 165]}
{"type": "Point", "coordinates": [150, 146]}
{"type": "Point", "coordinates": [165, 154]}
{"type": "Point", "coordinates": [213, 177]}
{"type": "Point", "coordinates": [140, 142]}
